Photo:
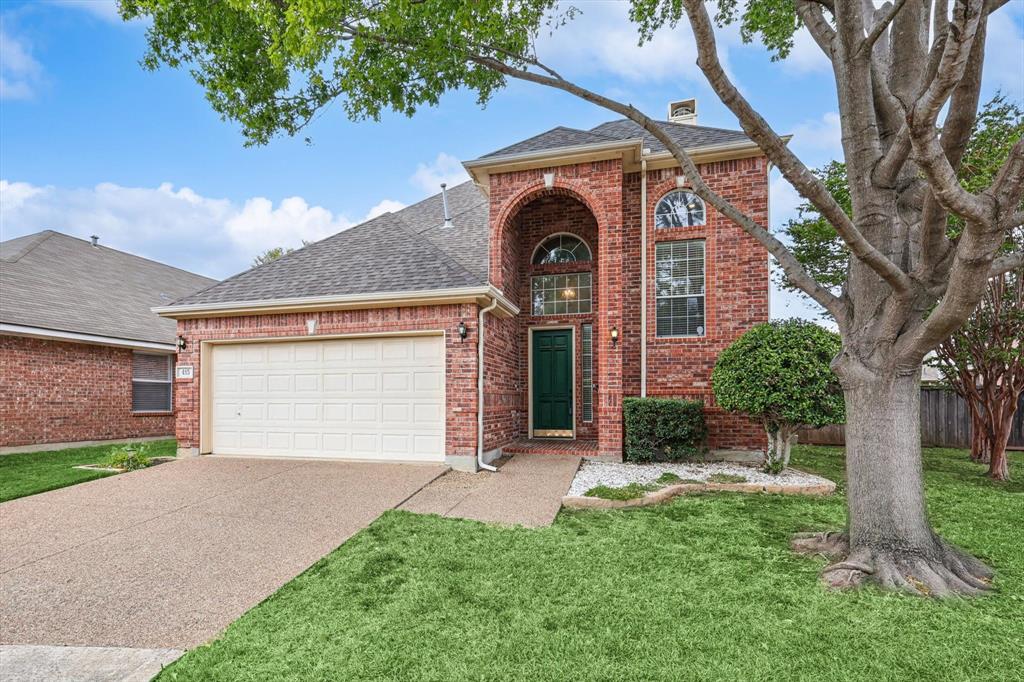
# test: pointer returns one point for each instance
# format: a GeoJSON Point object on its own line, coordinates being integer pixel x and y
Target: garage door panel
{"type": "Point", "coordinates": [367, 398]}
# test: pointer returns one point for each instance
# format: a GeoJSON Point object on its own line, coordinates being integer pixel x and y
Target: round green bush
{"type": "Point", "coordinates": [779, 373]}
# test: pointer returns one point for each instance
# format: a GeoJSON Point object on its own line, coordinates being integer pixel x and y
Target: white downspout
{"type": "Point", "coordinates": [480, 388]}
{"type": "Point", "coordinates": [643, 274]}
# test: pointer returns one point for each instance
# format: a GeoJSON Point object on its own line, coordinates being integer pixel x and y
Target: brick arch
{"type": "Point", "coordinates": [562, 187]}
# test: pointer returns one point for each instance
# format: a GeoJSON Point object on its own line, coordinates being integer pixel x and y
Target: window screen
{"type": "Point", "coordinates": [151, 382]}
{"type": "Point", "coordinates": [679, 288]}
{"type": "Point", "coordinates": [587, 350]}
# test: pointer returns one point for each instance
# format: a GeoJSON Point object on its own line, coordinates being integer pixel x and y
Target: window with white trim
{"type": "Point", "coordinates": [152, 382]}
{"type": "Point", "coordinates": [679, 208]}
{"type": "Point", "coordinates": [679, 287]}
{"type": "Point", "coordinates": [561, 294]}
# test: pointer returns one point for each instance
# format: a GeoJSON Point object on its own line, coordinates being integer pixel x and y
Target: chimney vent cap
{"type": "Point", "coordinates": [683, 111]}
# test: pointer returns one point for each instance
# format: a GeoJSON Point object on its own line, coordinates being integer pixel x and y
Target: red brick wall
{"type": "Point", "coordinates": [736, 291]}
{"type": "Point", "coordinates": [585, 198]}
{"type": "Point", "coordinates": [460, 356]}
{"type": "Point", "coordinates": [56, 392]}
{"type": "Point", "coordinates": [601, 204]}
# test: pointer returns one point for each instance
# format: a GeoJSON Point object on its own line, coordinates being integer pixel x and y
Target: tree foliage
{"type": "Point", "coordinates": [271, 255]}
{"type": "Point", "coordinates": [779, 373]}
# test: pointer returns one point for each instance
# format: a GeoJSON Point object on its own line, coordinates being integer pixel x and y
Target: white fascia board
{"type": "Point", "coordinates": [76, 337]}
{"type": "Point", "coordinates": [549, 153]}
{"type": "Point", "coordinates": [367, 300]}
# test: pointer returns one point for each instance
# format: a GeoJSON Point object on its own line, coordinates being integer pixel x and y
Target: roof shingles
{"type": "Point", "coordinates": [53, 281]}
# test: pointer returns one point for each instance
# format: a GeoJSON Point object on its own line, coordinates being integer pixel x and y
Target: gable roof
{"type": "Point", "coordinates": [407, 250]}
{"type": "Point", "coordinates": [621, 130]}
{"type": "Point", "coordinates": [53, 281]}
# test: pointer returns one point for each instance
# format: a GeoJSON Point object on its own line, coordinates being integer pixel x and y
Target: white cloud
{"type": "Point", "coordinates": [103, 9]}
{"type": "Point", "coordinates": [20, 73]}
{"type": "Point", "coordinates": [386, 206]}
{"type": "Point", "coordinates": [1004, 51]}
{"type": "Point", "coordinates": [783, 200]}
{"type": "Point", "coordinates": [806, 56]}
{"type": "Point", "coordinates": [818, 141]}
{"type": "Point", "coordinates": [445, 168]}
{"type": "Point", "coordinates": [215, 237]}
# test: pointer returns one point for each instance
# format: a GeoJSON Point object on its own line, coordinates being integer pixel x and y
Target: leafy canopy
{"type": "Point", "coordinates": [780, 373]}
{"type": "Point", "coordinates": [272, 66]}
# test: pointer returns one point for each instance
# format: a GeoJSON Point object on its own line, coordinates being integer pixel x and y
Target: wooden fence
{"type": "Point", "coordinates": [945, 423]}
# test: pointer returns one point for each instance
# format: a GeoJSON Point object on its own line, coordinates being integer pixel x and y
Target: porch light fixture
{"type": "Point", "coordinates": [462, 330]}
{"type": "Point", "coordinates": [181, 343]}
{"type": "Point", "coordinates": [615, 336]}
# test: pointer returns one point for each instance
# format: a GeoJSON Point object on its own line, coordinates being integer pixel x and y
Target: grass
{"type": "Point", "coordinates": [727, 478]}
{"type": "Point", "coordinates": [702, 587]}
{"type": "Point", "coordinates": [29, 473]}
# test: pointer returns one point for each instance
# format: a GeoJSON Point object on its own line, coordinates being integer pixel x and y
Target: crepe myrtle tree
{"type": "Point", "coordinates": [779, 373]}
{"type": "Point", "coordinates": [273, 65]}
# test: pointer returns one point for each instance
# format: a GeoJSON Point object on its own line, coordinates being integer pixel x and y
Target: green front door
{"type": "Point", "coordinates": [552, 383]}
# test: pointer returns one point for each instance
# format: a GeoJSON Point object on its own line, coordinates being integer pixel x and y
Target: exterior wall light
{"type": "Point", "coordinates": [181, 343]}
{"type": "Point", "coordinates": [462, 330]}
{"type": "Point", "coordinates": [615, 336]}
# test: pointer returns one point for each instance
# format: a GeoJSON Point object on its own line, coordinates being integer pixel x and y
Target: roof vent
{"type": "Point", "coordinates": [444, 201]}
{"type": "Point", "coordinates": [683, 111]}
{"type": "Point", "coordinates": [95, 239]}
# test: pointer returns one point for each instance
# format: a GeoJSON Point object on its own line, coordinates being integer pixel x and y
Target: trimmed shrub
{"type": "Point", "coordinates": [780, 374]}
{"type": "Point", "coordinates": [663, 429]}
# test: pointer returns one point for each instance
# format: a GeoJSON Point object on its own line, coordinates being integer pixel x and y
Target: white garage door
{"type": "Point", "coordinates": [367, 398]}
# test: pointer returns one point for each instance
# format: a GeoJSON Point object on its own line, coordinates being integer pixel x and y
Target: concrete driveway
{"type": "Point", "coordinates": [168, 556]}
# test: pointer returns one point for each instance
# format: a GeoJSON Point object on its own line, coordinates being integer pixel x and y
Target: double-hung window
{"type": "Point", "coordinates": [151, 382]}
{"type": "Point", "coordinates": [679, 287]}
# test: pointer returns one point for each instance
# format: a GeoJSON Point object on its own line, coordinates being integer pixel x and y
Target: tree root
{"type": "Point", "coordinates": [942, 571]}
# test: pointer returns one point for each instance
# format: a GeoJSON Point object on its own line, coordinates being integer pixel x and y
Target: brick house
{"type": "Point", "coordinates": [82, 356]}
{"type": "Point", "coordinates": [593, 271]}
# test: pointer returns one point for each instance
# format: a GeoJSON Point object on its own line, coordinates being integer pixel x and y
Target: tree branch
{"type": "Point", "coordinates": [814, 19]}
{"type": "Point", "coordinates": [796, 273]}
{"type": "Point", "coordinates": [1005, 264]}
{"type": "Point", "coordinates": [791, 167]}
{"type": "Point", "coordinates": [882, 24]}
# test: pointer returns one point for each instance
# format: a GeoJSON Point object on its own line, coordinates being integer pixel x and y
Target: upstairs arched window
{"type": "Point", "coordinates": [679, 208]}
{"type": "Point", "coordinates": [561, 248]}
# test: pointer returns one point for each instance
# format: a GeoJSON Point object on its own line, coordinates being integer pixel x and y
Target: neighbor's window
{"type": "Point", "coordinates": [561, 294]}
{"type": "Point", "coordinates": [561, 248]}
{"type": "Point", "coordinates": [679, 287]}
{"type": "Point", "coordinates": [151, 382]}
{"type": "Point", "coordinates": [679, 208]}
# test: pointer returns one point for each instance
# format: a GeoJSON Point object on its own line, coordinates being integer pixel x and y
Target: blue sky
{"type": "Point", "coordinates": [90, 143]}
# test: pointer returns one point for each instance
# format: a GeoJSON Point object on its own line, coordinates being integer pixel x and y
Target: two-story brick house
{"type": "Point", "coordinates": [592, 269]}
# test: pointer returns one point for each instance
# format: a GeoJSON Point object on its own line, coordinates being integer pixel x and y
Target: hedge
{"type": "Point", "coordinates": [662, 429]}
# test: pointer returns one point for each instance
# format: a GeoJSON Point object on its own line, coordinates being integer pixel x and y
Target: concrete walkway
{"type": "Point", "coordinates": [32, 663]}
{"type": "Point", "coordinates": [165, 558]}
{"type": "Point", "coordinates": [527, 490]}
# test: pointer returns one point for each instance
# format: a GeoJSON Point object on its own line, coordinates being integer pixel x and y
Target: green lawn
{"type": "Point", "coordinates": [36, 472]}
{"type": "Point", "coordinates": [702, 587]}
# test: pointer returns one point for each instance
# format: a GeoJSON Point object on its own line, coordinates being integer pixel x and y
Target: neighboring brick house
{"type": "Point", "coordinates": [594, 272]}
{"type": "Point", "coordinates": [82, 356]}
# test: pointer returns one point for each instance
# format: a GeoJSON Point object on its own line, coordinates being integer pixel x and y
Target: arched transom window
{"type": "Point", "coordinates": [561, 248]}
{"type": "Point", "coordinates": [679, 208]}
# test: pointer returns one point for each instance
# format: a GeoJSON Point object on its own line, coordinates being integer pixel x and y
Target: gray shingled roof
{"type": "Point", "coordinates": [408, 250]}
{"type": "Point", "coordinates": [690, 136]}
{"type": "Point", "coordinates": [54, 281]}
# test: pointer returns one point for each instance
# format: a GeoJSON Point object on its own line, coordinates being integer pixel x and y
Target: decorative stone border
{"type": "Point", "coordinates": [99, 467]}
{"type": "Point", "coordinates": [670, 491]}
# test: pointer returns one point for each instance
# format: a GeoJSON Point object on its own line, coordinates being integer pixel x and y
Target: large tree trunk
{"type": "Point", "coordinates": [980, 445]}
{"type": "Point", "coordinates": [889, 540]}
